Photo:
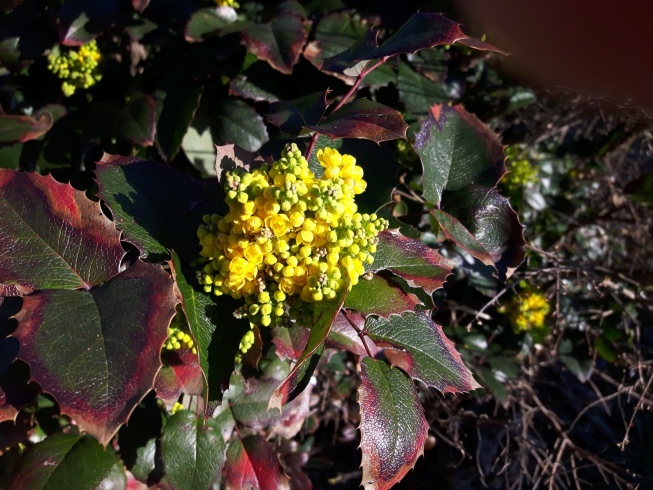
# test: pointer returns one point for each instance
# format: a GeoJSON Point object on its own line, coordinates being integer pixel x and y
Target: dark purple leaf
{"type": "Point", "coordinates": [253, 463]}
{"type": "Point", "coordinates": [292, 115]}
{"type": "Point", "coordinates": [137, 121]}
{"type": "Point", "coordinates": [181, 373]}
{"type": "Point", "coordinates": [290, 342]}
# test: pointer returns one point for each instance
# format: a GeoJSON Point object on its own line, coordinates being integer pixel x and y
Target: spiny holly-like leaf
{"type": "Point", "coordinates": [365, 119]}
{"type": "Point", "coordinates": [292, 115]}
{"type": "Point", "coordinates": [181, 373]}
{"type": "Point", "coordinates": [97, 352]}
{"type": "Point", "coordinates": [211, 22]}
{"type": "Point", "coordinates": [419, 265]}
{"type": "Point", "coordinates": [457, 150]}
{"type": "Point", "coordinates": [343, 335]}
{"type": "Point", "coordinates": [416, 344]}
{"type": "Point", "coordinates": [137, 121]}
{"type": "Point", "coordinates": [393, 427]}
{"type": "Point", "coordinates": [380, 296]}
{"type": "Point", "coordinates": [68, 461]}
{"type": "Point", "coordinates": [279, 42]}
{"type": "Point", "coordinates": [157, 207]}
{"type": "Point", "coordinates": [418, 93]}
{"type": "Point", "coordinates": [15, 391]}
{"type": "Point", "coordinates": [481, 221]}
{"type": "Point", "coordinates": [334, 34]}
{"type": "Point", "coordinates": [177, 100]}
{"type": "Point", "coordinates": [254, 464]}
{"type": "Point", "coordinates": [24, 128]}
{"type": "Point", "coordinates": [216, 332]}
{"type": "Point", "coordinates": [422, 30]}
{"type": "Point", "coordinates": [193, 450]}
{"type": "Point", "coordinates": [52, 236]}
{"type": "Point", "coordinates": [290, 342]}
{"type": "Point", "coordinates": [323, 315]}
{"type": "Point", "coordinates": [236, 122]}
{"type": "Point", "coordinates": [231, 157]}
{"type": "Point", "coordinates": [248, 400]}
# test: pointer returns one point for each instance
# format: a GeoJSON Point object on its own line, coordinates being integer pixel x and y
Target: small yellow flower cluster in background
{"type": "Point", "coordinates": [529, 311]}
{"type": "Point", "coordinates": [178, 337]}
{"type": "Point", "coordinates": [290, 238]}
{"type": "Point", "coordinates": [78, 69]}
{"type": "Point", "coordinates": [227, 3]}
{"type": "Point", "coordinates": [521, 171]}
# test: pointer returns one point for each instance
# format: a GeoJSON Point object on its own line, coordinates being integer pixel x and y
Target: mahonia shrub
{"type": "Point", "coordinates": [204, 305]}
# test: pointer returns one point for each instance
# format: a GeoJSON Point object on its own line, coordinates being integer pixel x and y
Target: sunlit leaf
{"type": "Point", "coordinates": [419, 265]}
{"type": "Point", "coordinates": [393, 427]}
{"type": "Point", "coordinates": [180, 373]}
{"type": "Point", "coordinates": [236, 122]}
{"type": "Point", "coordinates": [343, 335]}
{"type": "Point", "coordinates": [193, 450]}
{"type": "Point", "coordinates": [254, 464]}
{"type": "Point", "coordinates": [68, 461]}
{"type": "Point", "coordinates": [24, 128]}
{"type": "Point", "coordinates": [98, 351]}
{"type": "Point", "coordinates": [52, 236]}
{"type": "Point", "coordinates": [363, 118]}
{"type": "Point", "coordinates": [416, 344]}
{"type": "Point", "coordinates": [380, 296]}
{"type": "Point", "coordinates": [290, 342]}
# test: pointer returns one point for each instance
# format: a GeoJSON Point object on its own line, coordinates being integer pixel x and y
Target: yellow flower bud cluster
{"type": "Point", "coordinates": [289, 237]}
{"type": "Point", "coordinates": [178, 337]}
{"type": "Point", "coordinates": [227, 3]}
{"type": "Point", "coordinates": [529, 311]}
{"type": "Point", "coordinates": [78, 69]}
{"type": "Point", "coordinates": [176, 407]}
{"type": "Point", "coordinates": [246, 344]}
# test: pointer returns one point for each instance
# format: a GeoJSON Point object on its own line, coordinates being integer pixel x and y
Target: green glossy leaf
{"type": "Point", "coordinates": [216, 332]}
{"type": "Point", "coordinates": [68, 461]}
{"type": "Point", "coordinates": [457, 150]}
{"type": "Point", "coordinates": [157, 207]}
{"type": "Point", "coordinates": [199, 148]}
{"type": "Point", "coordinates": [24, 128]}
{"type": "Point", "coordinates": [292, 115]}
{"type": "Point", "coordinates": [98, 351]}
{"type": "Point", "coordinates": [236, 122]}
{"type": "Point", "coordinates": [210, 22]}
{"type": "Point", "coordinates": [344, 337]}
{"type": "Point", "coordinates": [253, 463]}
{"type": "Point", "coordinates": [10, 156]}
{"type": "Point", "coordinates": [137, 121]}
{"type": "Point", "coordinates": [334, 34]}
{"type": "Point", "coordinates": [193, 450]}
{"type": "Point", "coordinates": [416, 344]}
{"type": "Point", "coordinates": [481, 221]}
{"type": "Point", "coordinates": [242, 86]}
{"type": "Point", "coordinates": [419, 265]}
{"type": "Point", "coordinates": [290, 342]}
{"type": "Point", "coordinates": [393, 427]}
{"type": "Point", "coordinates": [145, 462]}
{"type": "Point", "coordinates": [278, 42]}
{"type": "Point", "coordinates": [324, 314]}
{"type": "Point", "coordinates": [363, 118]}
{"type": "Point", "coordinates": [52, 236]}
{"type": "Point", "coordinates": [418, 93]}
{"type": "Point", "coordinates": [178, 100]}
{"type": "Point", "coordinates": [380, 296]}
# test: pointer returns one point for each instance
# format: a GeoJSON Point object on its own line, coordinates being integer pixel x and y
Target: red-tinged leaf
{"type": "Point", "coordinates": [279, 42]}
{"type": "Point", "coordinates": [248, 400]}
{"type": "Point", "coordinates": [292, 115]}
{"type": "Point", "coordinates": [97, 352]}
{"type": "Point", "coordinates": [343, 336]}
{"type": "Point", "coordinates": [393, 427]}
{"type": "Point", "coordinates": [68, 461]}
{"type": "Point", "coordinates": [181, 373]}
{"type": "Point", "coordinates": [416, 344]}
{"type": "Point", "coordinates": [157, 207]}
{"type": "Point", "coordinates": [24, 128]}
{"type": "Point", "coordinates": [52, 236]}
{"type": "Point", "coordinates": [140, 5]}
{"type": "Point", "coordinates": [231, 157]}
{"type": "Point", "coordinates": [419, 265]}
{"type": "Point", "coordinates": [324, 314]}
{"type": "Point", "coordinates": [457, 150]}
{"type": "Point", "coordinates": [137, 121]}
{"type": "Point", "coordinates": [481, 221]}
{"type": "Point", "coordinates": [216, 332]}
{"type": "Point", "coordinates": [364, 119]}
{"type": "Point", "coordinates": [290, 342]}
{"type": "Point", "coordinates": [193, 450]}
{"type": "Point", "coordinates": [253, 463]}
{"type": "Point", "coordinates": [380, 296]}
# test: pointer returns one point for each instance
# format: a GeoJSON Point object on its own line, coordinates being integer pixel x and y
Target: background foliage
{"type": "Point", "coordinates": [563, 400]}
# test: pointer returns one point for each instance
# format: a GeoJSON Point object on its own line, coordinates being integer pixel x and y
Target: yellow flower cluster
{"type": "Point", "coordinates": [246, 344]}
{"type": "Point", "coordinates": [529, 312]}
{"type": "Point", "coordinates": [227, 3]}
{"type": "Point", "coordinates": [178, 337]}
{"type": "Point", "coordinates": [289, 238]}
{"type": "Point", "coordinates": [78, 69]}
